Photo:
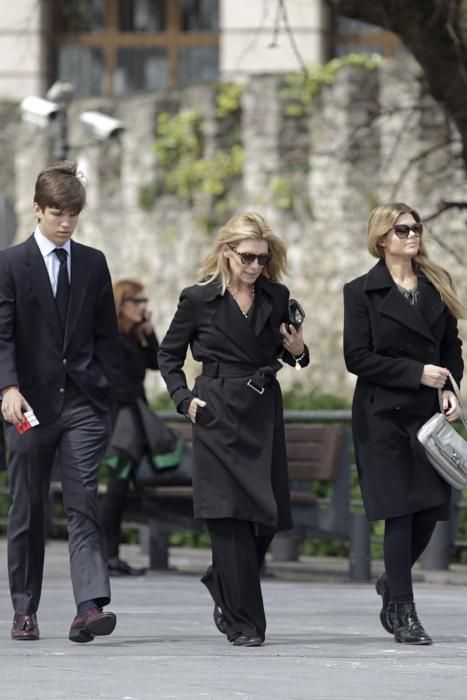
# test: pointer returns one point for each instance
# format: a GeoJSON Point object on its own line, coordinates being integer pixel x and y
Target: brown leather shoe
{"type": "Point", "coordinates": [25, 627]}
{"type": "Point", "coordinates": [94, 623]}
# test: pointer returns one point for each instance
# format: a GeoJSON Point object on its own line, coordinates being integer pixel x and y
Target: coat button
{"type": "Point", "coordinates": [61, 390]}
{"type": "Point", "coordinates": [65, 362]}
{"type": "Point", "coordinates": [398, 408]}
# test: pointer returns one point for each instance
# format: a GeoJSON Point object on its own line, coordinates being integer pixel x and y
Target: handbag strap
{"type": "Point", "coordinates": [457, 392]}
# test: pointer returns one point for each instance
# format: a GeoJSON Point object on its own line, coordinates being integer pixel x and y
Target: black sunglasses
{"type": "Point", "coordinates": [137, 300]}
{"type": "Point", "coordinates": [249, 258]}
{"type": "Point", "coordinates": [403, 230]}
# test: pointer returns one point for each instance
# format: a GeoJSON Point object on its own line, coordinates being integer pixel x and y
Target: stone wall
{"type": "Point", "coordinates": [314, 174]}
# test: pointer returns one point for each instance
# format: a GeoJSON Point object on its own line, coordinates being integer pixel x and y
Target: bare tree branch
{"type": "Point", "coordinates": [432, 32]}
{"type": "Point", "coordinates": [443, 207]}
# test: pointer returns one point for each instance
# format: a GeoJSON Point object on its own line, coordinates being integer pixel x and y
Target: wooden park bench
{"type": "Point", "coordinates": [316, 453]}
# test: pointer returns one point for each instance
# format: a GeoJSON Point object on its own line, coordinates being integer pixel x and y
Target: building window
{"type": "Point", "coordinates": [142, 16]}
{"type": "Point", "coordinates": [80, 15]}
{"type": "Point", "coordinates": [353, 36]}
{"type": "Point", "coordinates": [200, 16]}
{"type": "Point", "coordinates": [118, 47]}
{"type": "Point", "coordinates": [140, 69]}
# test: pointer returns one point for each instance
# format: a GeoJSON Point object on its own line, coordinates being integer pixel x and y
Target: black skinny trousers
{"type": "Point", "coordinates": [405, 538]}
{"type": "Point", "coordinates": [233, 580]}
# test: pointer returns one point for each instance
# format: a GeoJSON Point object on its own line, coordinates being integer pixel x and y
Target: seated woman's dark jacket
{"type": "Point", "coordinates": [135, 359]}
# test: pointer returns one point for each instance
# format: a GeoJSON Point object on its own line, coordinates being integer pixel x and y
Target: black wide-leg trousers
{"type": "Point", "coordinates": [233, 580]}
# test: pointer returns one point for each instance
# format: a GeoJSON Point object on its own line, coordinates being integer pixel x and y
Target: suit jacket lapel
{"type": "Point", "coordinates": [79, 277]}
{"type": "Point", "coordinates": [40, 283]}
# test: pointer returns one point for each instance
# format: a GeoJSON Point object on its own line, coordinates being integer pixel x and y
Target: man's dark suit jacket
{"type": "Point", "coordinates": [35, 353]}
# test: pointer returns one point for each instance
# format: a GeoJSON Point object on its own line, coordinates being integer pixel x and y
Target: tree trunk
{"type": "Point", "coordinates": [435, 33]}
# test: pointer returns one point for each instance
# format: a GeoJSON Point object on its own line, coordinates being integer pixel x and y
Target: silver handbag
{"type": "Point", "coordinates": [444, 447]}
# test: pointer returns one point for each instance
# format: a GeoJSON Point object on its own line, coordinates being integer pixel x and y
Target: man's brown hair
{"type": "Point", "coordinates": [59, 187]}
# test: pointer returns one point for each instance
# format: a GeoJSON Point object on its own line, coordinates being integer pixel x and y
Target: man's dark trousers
{"type": "Point", "coordinates": [80, 435]}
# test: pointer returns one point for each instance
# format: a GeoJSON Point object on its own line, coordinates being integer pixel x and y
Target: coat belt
{"type": "Point", "coordinates": [258, 377]}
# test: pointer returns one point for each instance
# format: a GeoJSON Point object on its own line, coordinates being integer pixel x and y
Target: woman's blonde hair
{"type": "Point", "coordinates": [123, 290]}
{"type": "Point", "coordinates": [381, 221]}
{"type": "Point", "coordinates": [246, 226]}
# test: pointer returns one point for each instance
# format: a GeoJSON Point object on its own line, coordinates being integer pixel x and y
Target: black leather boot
{"type": "Point", "coordinates": [387, 613]}
{"type": "Point", "coordinates": [407, 627]}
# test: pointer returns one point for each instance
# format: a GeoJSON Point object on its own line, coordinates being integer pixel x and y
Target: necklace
{"type": "Point", "coordinates": [235, 295]}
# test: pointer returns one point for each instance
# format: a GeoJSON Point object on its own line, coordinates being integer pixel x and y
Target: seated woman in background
{"type": "Point", "coordinates": [138, 352]}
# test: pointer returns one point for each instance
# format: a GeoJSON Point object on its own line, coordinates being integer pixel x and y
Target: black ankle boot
{"type": "Point", "coordinates": [387, 613]}
{"type": "Point", "coordinates": [407, 627]}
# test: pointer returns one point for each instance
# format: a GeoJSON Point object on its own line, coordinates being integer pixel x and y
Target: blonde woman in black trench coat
{"type": "Point", "coordinates": [400, 339]}
{"type": "Point", "coordinates": [235, 321]}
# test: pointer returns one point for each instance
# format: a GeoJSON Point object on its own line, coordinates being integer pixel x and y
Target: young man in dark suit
{"type": "Point", "coordinates": [58, 358]}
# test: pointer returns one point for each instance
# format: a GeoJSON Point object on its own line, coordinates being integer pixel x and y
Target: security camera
{"type": "Point", "coordinates": [38, 111]}
{"type": "Point", "coordinates": [101, 125]}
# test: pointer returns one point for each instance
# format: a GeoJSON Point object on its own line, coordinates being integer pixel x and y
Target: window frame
{"type": "Point", "coordinates": [377, 37]}
{"type": "Point", "coordinates": [110, 39]}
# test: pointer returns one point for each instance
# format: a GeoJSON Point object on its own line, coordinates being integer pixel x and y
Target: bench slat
{"type": "Point", "coordinates": [169, 491]}
{"type": "Point", "coordinates": [303, 497]}
{"type": "Point", "coordinates": [307, 451]}
{"type": "Point", "coordinates": [303, 471]}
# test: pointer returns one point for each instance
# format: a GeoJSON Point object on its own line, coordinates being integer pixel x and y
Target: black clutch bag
{"type": "Point", "coordinates": [296, 314]}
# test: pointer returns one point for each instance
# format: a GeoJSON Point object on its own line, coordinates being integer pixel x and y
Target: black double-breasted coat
{"type": "Point", "coordinates": [239, 452]}
{"type": "Point", "coordinates": [387, 342]}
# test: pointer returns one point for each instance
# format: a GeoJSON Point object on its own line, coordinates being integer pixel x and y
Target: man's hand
{"type": "Point", "coordinates": [13, 405]}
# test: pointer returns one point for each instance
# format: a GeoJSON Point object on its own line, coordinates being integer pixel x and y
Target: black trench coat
{"type": "Point", "coordinates": [387, 342]}
{"type": "Point", "coordinates": [239, 452]}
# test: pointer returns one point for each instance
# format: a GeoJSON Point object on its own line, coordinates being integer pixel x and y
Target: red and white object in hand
{"type": "Point", "coordinates": [29, 421]}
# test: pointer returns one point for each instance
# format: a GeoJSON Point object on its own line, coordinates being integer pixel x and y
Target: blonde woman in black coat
{"type": "Point", "coordinates": [235, 321]}
{"type": "Point", "coordinates": [400, 339]}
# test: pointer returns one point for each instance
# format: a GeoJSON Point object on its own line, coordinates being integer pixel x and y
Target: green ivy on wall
{"type": "Point", "coordinates": [282, 192]}
{"type": "Point", "coordinates": [178, 138]}
{"type": "Point", "coordinates": [179, 149]}
{"type": "Point", "coordinates": [211, 176]}
{"type": "Point", "coordinates": [300, 88]}
{"type": "Point", "coordinates": [228, 100]}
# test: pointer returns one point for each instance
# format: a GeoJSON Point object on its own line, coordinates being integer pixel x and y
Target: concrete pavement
{"type": "Point", "coordinates": [324, 641]}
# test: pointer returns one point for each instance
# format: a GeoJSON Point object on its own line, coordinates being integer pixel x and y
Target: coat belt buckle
{"type": "Point", "coordinates": [259, 390]}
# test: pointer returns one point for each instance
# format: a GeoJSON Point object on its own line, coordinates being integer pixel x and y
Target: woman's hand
{"type": "Point", "coordinates": [146, 325]}
{"type": "Point", "coordinates": [193, 408]}
{"type": "Point", "coordinates": [144, 328]}
{"type": "Point", "coordinates": [293, 339]}
{"type": "Point", "coordinates": [434, 376]}
{"type": "Point", "coordinates": [451, 406]}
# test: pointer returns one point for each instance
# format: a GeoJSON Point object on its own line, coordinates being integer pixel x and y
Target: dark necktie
{"type": "Point", "coordinates": [63, 286]}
